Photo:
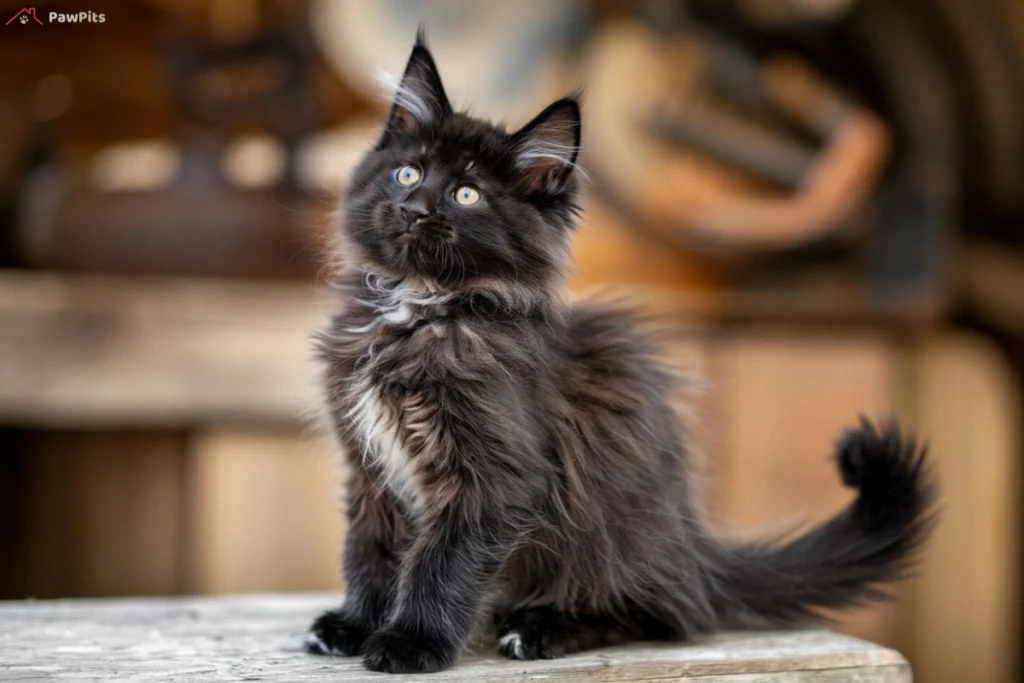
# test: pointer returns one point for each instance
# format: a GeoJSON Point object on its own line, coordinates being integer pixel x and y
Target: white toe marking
{"type": "Point", "coordinates": [313, 641]}
{"type": "Point", "coordinates": [515, 641]}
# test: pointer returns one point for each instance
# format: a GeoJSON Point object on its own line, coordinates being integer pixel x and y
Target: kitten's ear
{"type": "Point", "coordinates": [546, 148]}
{"type": "Point", "coordinates": [420, 100]}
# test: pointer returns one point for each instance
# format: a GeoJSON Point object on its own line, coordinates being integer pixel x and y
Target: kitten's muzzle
{"type": "Point", "coordinates": [419, 221]}
{"type": "Point", "coordinates": [414, 214]}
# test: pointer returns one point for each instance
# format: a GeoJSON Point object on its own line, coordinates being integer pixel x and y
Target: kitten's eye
{"type": "Point", "coordinates": [467, 196]}
{"type": "Point", "coordinates": [407, 175]}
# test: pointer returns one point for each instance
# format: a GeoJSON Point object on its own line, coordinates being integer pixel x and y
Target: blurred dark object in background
{"type": "Point", "coordinates": [831, 147]}
{"type": "Point", "coordinates": [828, 152]}
{"type": "Point", "coordinates": [16, 157]}
{"type": "Point", "coordinates": [197, 218]}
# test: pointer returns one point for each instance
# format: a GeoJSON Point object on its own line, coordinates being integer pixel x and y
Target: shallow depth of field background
{"type": "Point", "coordinates": [825, 196]}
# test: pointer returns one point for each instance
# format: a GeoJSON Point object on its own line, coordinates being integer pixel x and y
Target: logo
{"type": "Point", "coordinates": [24, 16]}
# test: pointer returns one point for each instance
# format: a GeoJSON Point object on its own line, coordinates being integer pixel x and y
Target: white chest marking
{"type": "Point", "coordinates": [396, 305]}
{"type": "Point", "coordinates": [383, 444]}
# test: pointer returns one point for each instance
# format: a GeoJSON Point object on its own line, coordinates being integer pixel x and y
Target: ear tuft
{"type": "Point", "coordinates": [420, 100]}
{"type": "Point", "coordinates": [546, 148]}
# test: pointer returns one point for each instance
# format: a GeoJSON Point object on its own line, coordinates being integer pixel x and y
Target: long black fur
{"type": "Point", "coordinates": [512, 455]}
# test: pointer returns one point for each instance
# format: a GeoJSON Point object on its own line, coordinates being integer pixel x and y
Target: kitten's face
{"type": "Point", "coordinates": [449, 199]}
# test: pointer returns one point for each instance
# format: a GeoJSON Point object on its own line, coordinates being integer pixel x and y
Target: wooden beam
{"type": "Point", "coordinates": [99, 350]}
{"type": "Point", "coordinates": [92, 350]}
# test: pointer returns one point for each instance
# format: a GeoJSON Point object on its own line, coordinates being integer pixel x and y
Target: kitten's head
{"type": "Point", "coordinates": [449, 199]}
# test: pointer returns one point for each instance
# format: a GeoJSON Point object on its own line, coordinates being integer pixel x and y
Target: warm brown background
{"type": "Point", "coordinates": [155, 415]}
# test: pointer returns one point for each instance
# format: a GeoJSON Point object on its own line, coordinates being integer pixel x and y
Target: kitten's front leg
{"type": "Point", "coordinates": [372, 548]}
{"type": "Point", "coordinates": [443, 584]}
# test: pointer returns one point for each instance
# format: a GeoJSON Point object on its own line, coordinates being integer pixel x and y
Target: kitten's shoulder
{"type": "Point", "coordinates": [600, 322]}
{"type": "Point", "coordinates": [615, 349]}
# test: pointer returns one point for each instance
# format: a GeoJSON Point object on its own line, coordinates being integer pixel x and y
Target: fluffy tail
{"type": "Point", "coordinates": [841, 562]}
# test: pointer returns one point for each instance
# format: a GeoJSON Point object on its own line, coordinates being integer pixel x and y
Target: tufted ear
{"type": "Point", "coordinates": [546, 148]}
{"type": "Point", "coordinates": [420, 100]}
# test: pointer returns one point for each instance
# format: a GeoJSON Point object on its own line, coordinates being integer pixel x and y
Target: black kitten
{"type": "Point", "coordinates": [512, 453]}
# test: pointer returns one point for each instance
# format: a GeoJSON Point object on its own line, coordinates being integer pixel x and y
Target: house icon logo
{"type": "Point", "coordinates": [24, 16]}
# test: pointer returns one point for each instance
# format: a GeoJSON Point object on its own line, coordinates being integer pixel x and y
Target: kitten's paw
{"type": "Point", "coordinates": [536, 634]}
{"type": "Point", "coordinates": [399, 652]}
{"type": "Point", "coordinates": [337, 634]}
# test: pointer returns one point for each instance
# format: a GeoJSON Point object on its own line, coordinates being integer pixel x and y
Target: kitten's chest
{"type": "Point", "coordinates": [385, 428]}
{"type": "Point", "coordinates": [387, 402]}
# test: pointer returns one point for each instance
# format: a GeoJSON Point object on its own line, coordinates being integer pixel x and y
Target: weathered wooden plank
{"type": "Point", "coordinates": [93, 350]}
{"type": "Point", "coordinates": [257, 638]}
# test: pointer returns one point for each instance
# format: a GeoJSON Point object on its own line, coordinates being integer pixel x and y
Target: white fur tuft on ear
{"type": "Point", "coordinates": [547, 147]}
{"type": "Point", "coordinates": [417, 100]}
{"type": "Point", "coordinates": [535, 150]}
{"type": "Point", "coordinates": [419, 97]}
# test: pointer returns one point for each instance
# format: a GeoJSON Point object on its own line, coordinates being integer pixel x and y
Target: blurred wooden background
{"type": "Point", "coordinates": [157, 402]}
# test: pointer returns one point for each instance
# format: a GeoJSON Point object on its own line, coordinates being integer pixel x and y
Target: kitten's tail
{"type": "Point", "coordinates": [841, 562]}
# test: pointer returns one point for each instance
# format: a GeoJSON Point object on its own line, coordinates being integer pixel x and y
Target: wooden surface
{"type": "Point", "coordinates": [99, 350]}
{"type": "Point", "coordinates": [257, 638]}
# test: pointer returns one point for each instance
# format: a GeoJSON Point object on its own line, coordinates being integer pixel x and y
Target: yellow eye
{"type": "Point", "coordinates": [408, 175]}
{"type": "Point", "coordinates": [467, 196]}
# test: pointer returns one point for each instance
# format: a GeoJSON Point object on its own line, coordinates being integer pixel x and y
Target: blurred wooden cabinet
{"type": "Point", "coordinates": [264, 512]}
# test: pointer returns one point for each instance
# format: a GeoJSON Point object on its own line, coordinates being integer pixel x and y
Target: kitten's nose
{"type": "Point", "coordinates": [413, 212]}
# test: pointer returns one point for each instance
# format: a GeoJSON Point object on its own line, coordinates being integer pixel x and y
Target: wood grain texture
{"type": "Point", "coordinates": [964, 611]}
{"type": "Point", "coordinates": [257, 638]}
{"type": "Point", "coordinates": [264, 512]}
{"type": "Point", "coordinates": [89, 350]}
{"type": "Point", "coordinates": [95, 350]}
{"type": "Point", "coordinates": [103, 514]}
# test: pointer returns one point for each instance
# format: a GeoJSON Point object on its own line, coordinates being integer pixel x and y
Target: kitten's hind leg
{"type": "Point", "coordinates": [546, 633]}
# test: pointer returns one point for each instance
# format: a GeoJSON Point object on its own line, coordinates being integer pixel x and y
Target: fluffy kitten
{"type": "Point", "coordinates": [512, 454]}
